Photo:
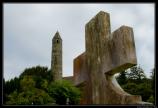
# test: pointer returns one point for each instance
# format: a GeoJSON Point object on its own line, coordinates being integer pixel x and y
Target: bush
{"type": "Point", "coordinates": [63, 91]}
{"type": "Point", "coordinates": [151, 99]}
{"type": "Point", "coordinates": [29, 97]}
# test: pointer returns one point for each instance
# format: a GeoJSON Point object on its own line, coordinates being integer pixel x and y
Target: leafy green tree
{"type": "Point", "coordinates": [144, 89]}
{"type": "Point", "coordinates": [62, 91]}
{"type": "Point", "coordinates": [27, 83]}
{"type": "Point", "coordinates": [29, 94]}
{"type": "Point", "coordinates": [35, 86]}
{"type": "Point", "coordinates": [41, 97]}
{"type": "Point", "coordinates": [29, 97]}
{"type": "Point", "coordinates": [4, 94]}
{"type": "Point", "coordinates": [12, 98]}
{"type": "Point", "coordinates": [31, 86]}
{"type": "Point", "coordinates": [153, 80]}
{"type": "Point", "coordinates": [44, 85]}
{"type": "Point", "coordinates": [137, 83]}
{"type": "Point", "coordinates": [131, 88]}
{"type": "Point", "coordinates": [136, 74]}
{"type": "Point", "coordinates": [12, 85]}
{"type": "Point", "coordinates": [39, 74]}
{"type": "Point", "coordinates": [152, 98]}
{"type": "Point", "coordinates": [122, 78]}
{"type": "Point", "coordinates": [37, 71]}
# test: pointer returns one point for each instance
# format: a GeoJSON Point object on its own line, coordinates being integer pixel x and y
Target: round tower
{"type": "Point", "coordinates": [56, 59]}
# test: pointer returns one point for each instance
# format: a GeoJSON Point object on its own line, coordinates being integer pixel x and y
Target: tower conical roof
{"type": "Point", "coordinates": [57, 36]}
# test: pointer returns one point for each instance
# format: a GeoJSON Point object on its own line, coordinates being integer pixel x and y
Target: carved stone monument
{"type": "Point", "coordinates": [106, 54]}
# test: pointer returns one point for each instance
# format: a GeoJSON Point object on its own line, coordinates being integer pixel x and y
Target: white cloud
{"type": "Point", "coordinates": [29, 29]}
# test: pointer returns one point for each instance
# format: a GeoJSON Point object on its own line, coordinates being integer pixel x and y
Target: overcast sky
{"type": "Point", "coordinates": [29, 29]}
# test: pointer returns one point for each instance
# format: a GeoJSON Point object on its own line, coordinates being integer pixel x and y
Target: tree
{"type": "Point", "coordinates": [144, 89]}
{"type": "Point", "coordinates": [36, 71]}
{"type": "Point", "coordinates": [29, 94]}
{"type": "Point", "coordinates": [29, 97]}
{"type": "Point", "coordinates": [137, 83]}
{"type": "Point", "coordinates": [40, 97]}
{"type": "Point", "coordinates": [12, 85]}
{"type": "Point", "coordinates": [131, 88]}
{"type": "Point", "coordinates": [122, 78]}
{"type": "Point", "coordinates": [4, 94]}
{"type": "Point", "coordinates": [153, 80]}
{"type": "Point", "coordinates": [27, 83]}
{"type": "Point", "coordinates": [62, 91]}
{"type": "Point", "coordinates": [12, 98]}
{"type": "Point", "coordinates": [32, 85]}
{"type": "Point", "coordinates": [136, 74]}
{"type": "Point", "coordinates": [152, 98]}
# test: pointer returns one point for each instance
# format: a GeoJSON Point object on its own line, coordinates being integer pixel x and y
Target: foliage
{"type": "Point", "coordinates": [144, 89]}
{"type": "Point", "coordinates": [63, 90]}
{"type": "Point", "coordinates": [12, 85]}
{"type": "Point", "coordinates": [153, 84]}
{"type": "Point", "coordinates": [122, 78]}
{"type": "Point", "coordinates": [28, 97]}
{"type": "Point", "coordinates": [37, 73]}
{"type": "Point", "coordinates": [151, 99]}
{"type": "Point", "coordinates": [27, 83]}
{"type": "Point", "coordinates": [136, 74]}
{"type": "Point", "coordinates": [32, 88]}
{"type": "Point", "coordinates": [137, 83]}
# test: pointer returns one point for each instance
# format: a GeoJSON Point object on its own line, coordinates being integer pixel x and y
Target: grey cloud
{"type": "Point", "coordinates": [29, 29]}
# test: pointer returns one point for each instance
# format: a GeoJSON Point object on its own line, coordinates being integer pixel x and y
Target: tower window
{"type": "Point", "coordinates": [57, 41]}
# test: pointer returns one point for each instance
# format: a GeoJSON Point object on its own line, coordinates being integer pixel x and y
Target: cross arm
{"type": "Point", "coordinates": [122, 47]}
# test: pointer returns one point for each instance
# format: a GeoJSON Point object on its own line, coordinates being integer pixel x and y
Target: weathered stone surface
{"type": "Point", "coordinates": [97, 33]}
{"type": "Point", "coordinates": [81, 78]}
{"type": "Point", "coordinates": [80, 75]}
{"type": "Point", "coordinates": [105, 55]}
{"type": "Point", "coordinates": [122, 50]}
{"type": "Point", "coordinates": [56, 59]}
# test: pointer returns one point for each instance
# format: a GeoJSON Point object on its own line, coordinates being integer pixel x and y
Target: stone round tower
{"type": "Point", "coordinates": [56, 59]}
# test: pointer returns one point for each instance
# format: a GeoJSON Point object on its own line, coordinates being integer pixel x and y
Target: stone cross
{"type": "Point", "coordinates": [106, 54]}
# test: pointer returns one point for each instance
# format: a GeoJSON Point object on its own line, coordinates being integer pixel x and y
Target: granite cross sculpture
{"type": "Point", "coordinates": [106, 54]}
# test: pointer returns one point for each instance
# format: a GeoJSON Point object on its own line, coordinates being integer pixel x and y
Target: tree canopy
{"type": "Point", "coordinates": [64, 92]}
{"type": "Point", "coordinates": [35, 86]}
{"type": "Point", "coordinates": [135, 82]}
